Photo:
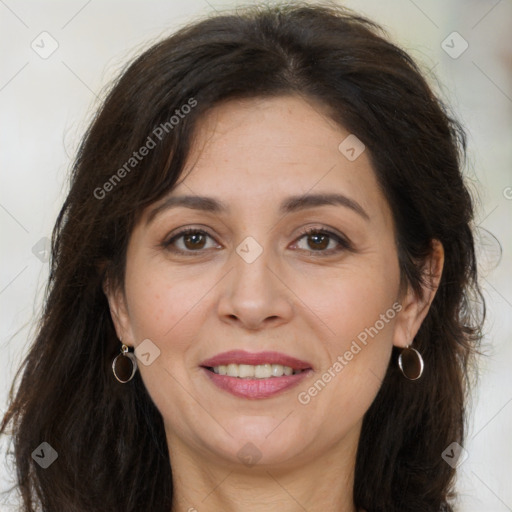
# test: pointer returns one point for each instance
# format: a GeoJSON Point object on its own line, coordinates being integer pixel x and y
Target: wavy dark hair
{"type": "Point", "coordinates": [110, 438]}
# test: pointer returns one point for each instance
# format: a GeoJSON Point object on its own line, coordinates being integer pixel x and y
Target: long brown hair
{"type": "Point", "coordinates": [110, 438]}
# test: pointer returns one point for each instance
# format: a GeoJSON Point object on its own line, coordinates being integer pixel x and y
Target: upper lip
{"type": "Point", "coordinates": [255, 358]}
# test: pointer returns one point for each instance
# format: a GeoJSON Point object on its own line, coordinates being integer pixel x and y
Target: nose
{"type": "Point", "coordinates": [254, 295]}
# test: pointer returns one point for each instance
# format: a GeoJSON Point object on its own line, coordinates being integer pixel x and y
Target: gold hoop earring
{"type": "Point", "coordinates": [411, 363]}
{"type": "Point", "coordinates": [124, 365]}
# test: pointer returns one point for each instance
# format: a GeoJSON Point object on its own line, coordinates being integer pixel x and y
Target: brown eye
{"type": "Point", "coordinates": [194, 241]}
{"type": "Point", "coordinates": [322, 242]}
{"type": "Point", "coordinates": [318, 241]}
{"type": "Point", "coordinates": [188, 241]}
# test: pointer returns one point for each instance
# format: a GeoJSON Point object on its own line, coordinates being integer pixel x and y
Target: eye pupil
{"type": "Point", "coordinates": [318, 238]}
{"type": "Point", "coordinates": [194, 237]}
{"type": "Point", "coordinates": [194, 241]}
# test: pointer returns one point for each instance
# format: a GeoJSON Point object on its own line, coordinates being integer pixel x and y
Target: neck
{"type": "Point", "coordinates": [206, 483]}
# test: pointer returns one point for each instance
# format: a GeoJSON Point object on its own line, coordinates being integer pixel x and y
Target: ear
{"type": "Point", "coordinates": [415, 308]}
{"type": "Point", "coordinates": [118, 311]}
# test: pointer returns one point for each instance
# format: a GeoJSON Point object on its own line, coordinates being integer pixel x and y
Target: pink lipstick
{"type": "Point", "coordinates": [269, 372]}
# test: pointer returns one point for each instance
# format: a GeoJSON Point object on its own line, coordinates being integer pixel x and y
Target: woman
{"type": "Point", "coordinates": [260, 282]}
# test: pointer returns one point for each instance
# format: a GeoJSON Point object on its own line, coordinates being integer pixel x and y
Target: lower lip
{"type": "Point", "coordinates": [256, 388]}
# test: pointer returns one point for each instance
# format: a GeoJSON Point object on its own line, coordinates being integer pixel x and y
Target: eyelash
{"type": "Point", "coordinates": [343, 243]}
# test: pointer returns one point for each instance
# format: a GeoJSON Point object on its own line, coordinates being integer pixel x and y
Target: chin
{"type": "Point", "coordinates": [256, 441]}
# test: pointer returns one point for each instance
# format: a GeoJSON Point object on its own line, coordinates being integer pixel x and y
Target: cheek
{"type": "Point", "coordinates": [351, 301]}
{"type": "Point", "coordinates": [358, 309]}
{"type": "Point", "coordinates": [165, 307]}
{"type": "Point", "coordinates": [355, 359]}
{"type": "Point", "coordinates": [161, 299]}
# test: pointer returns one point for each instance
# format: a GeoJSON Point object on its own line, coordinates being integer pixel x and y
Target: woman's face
{"type": "Point", "coordinates": [247, 277]}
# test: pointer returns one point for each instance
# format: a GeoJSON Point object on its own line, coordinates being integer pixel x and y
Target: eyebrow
{"type": "Point", "coordinates": [288, 205]}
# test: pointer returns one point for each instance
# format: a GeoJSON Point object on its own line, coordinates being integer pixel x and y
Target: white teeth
{"type": "Point", "coordinates": [232, 370]}
{"type": "Point", "coordinates": [245, 371]}
{"type": "Point", "coordinates": [259, 371]}
{"type": "Point", "coordinates": [277, 370]}
{"type": "Point", "coordinates": [263, 371]}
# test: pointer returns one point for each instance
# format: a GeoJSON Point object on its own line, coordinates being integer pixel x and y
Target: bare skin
{"type": "Point", "coordinates": [307, 296]}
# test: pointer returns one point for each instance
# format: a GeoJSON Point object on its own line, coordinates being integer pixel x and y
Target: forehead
{"type": "Point", "coordinates": [252, 152]}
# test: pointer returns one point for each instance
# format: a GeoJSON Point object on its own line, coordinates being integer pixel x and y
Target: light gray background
{"type": "Point", "coordinates": [46, 105]}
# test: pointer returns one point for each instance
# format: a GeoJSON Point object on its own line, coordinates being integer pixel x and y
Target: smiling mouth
{"type": "Point", "coordinates": [259, 371]}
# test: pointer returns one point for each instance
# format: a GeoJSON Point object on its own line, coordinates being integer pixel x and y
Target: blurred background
{"type": "Point", "coordinates": [57, 59]}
